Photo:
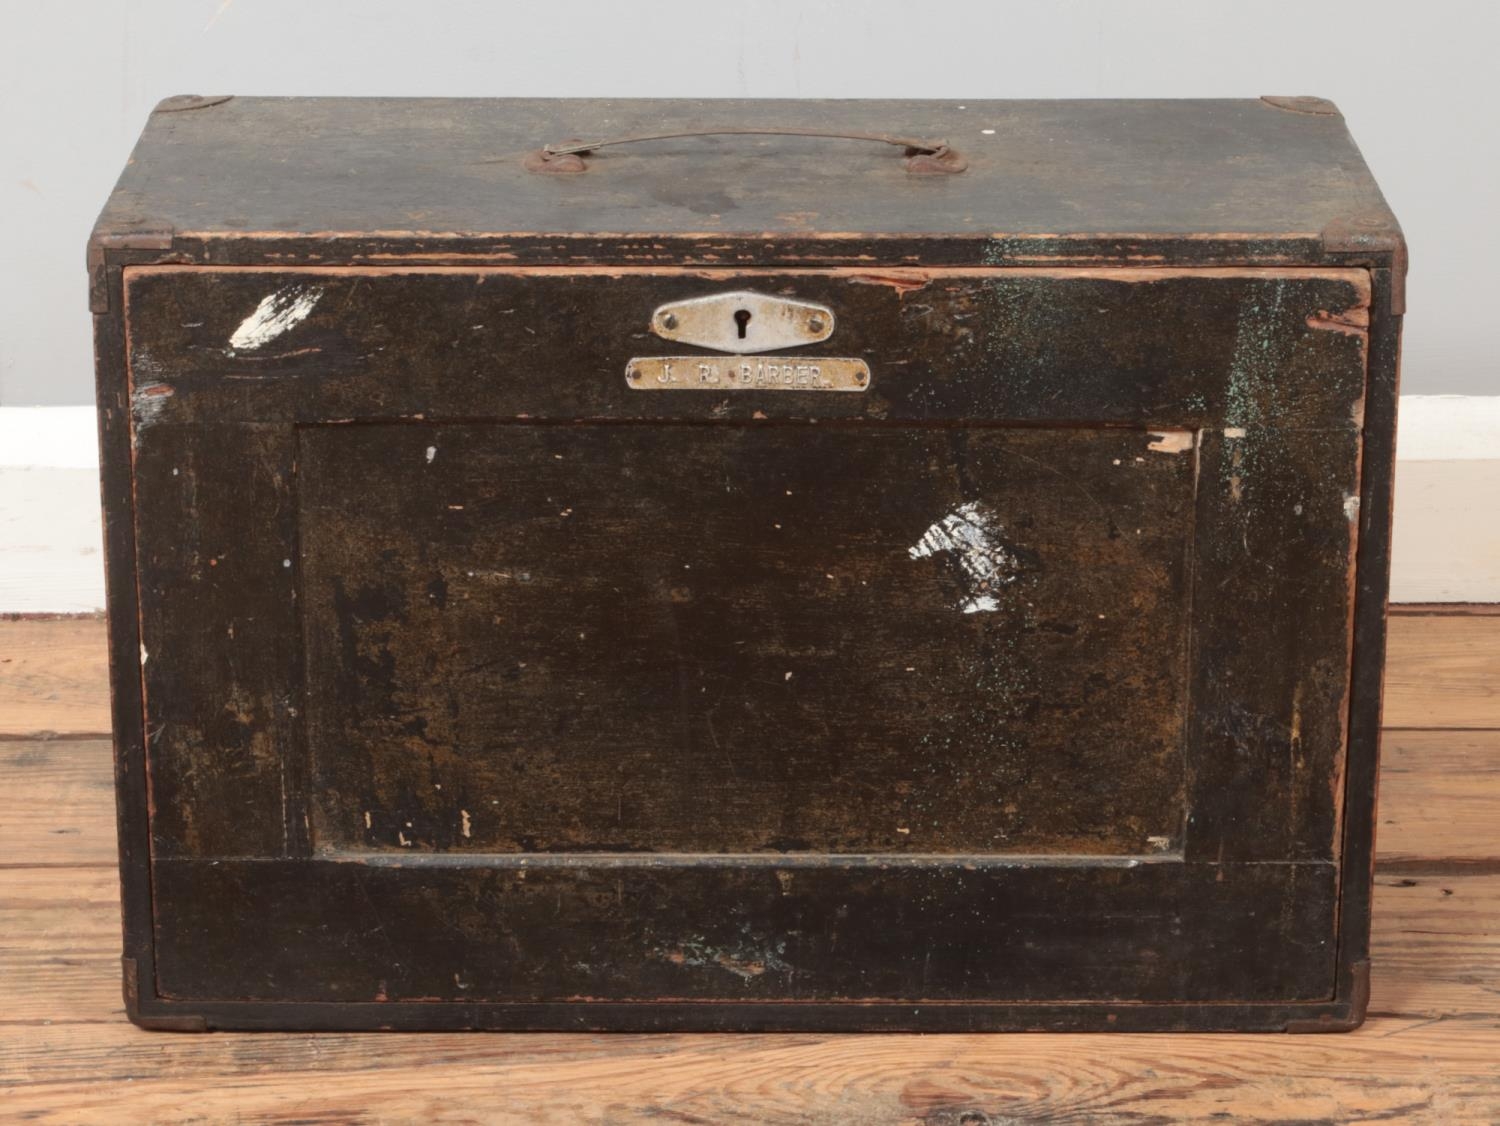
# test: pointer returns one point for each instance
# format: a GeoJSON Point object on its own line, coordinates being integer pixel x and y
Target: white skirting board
{"type": "Point", "coordinates": [1447, 534]}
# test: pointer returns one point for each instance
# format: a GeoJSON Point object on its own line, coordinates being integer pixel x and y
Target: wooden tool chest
{"type": "Point", "coordinates": [746, 565]}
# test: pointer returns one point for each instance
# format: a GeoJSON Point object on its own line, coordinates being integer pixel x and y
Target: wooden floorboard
{"type": "Point", "coordinates": [54, 676]}
{"type": "Point", "coordinates": [1443, 671]}
{"type": "Point", "coordinates": [59, 805]}
{"type": "Point", "coordinates": [1436, 1071]}
{"type": "Point", "coordinates": [1439, 801]}
{"type": "Point", "coordinates": [1429, 1053]}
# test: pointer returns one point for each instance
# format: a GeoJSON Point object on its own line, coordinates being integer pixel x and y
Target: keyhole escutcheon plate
{"type": "Point", "coordinates": [743, 322]}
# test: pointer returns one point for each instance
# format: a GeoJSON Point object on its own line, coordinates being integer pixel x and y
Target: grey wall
{"type": "Point", "coordinates": [1416, 82]}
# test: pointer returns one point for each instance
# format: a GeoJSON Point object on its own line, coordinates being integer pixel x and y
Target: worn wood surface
{"type": "Point", "coordinates": [538, 612]}
{"type": "Point", "coordinates": [740, 933]}
{"type": "Point", "coordinates": [55, 789]}
{"type": "Point", "coordinates": [1429, 1053]}
{"type": "Point", "coordinates": [1439, 674]}
{"type": "Point", "coordinates": [688, 680]}
{"type": "Point", "coordinates": [1169, 173]}
{"type": "Point", "coordinates": [1438, 793]}
{"type": "Point", "coordinates": [1443, 670]}
{"type": "Point", "coordinates": [1270, 349]}
{"type": "Point", "coordinates": [54, 676]}
{"type": "Point", "coordinates": [1279, 353]}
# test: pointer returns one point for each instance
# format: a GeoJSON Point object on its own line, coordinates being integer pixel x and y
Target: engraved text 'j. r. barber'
{"type": "Point", "coordinates": [735, 373]}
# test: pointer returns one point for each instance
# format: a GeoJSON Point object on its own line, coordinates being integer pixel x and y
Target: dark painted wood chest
{"type": "Point", "coordinates": [928, 579]}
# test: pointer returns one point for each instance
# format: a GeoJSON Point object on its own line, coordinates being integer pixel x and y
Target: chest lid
{"type": "Point", "coordinates": [1270, 181]}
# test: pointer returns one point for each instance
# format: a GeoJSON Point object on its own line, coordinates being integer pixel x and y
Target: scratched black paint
{"type": "Point", "coordinates": [361, 787]}
{"type": "Point", "coordinates": [684, 639]}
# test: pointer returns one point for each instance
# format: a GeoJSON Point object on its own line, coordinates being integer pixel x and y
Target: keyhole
{"type": "Point", "coordinates": [742, 318]}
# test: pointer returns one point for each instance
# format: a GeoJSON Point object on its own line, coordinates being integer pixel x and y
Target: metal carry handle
{"type": "Point", "coordinates": [923, 157]}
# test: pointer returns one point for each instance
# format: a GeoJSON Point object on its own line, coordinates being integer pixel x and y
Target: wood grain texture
{"type": "Point", "coordinates": [1402, 1069]}
{"type": "Point", "coordinates": [59, 806]}
{"type": "Point", "coordinates": [923, 933]}
{"type": "Point", "coordinates": [1429, 1053]}
{"type": "Point", "coordinates": [1439, 799]}
{"type": "Point", "coordinates": [1443, 671]}
{"type": "Point", "coordinates": [1076, 347]}
{"type": "Point", "coordinates": [551, 615]}
{"type": "Point", "coordinates": [446, 166]}
{"type": "Point", "coordinates": [689, 664]}
{"type": "Point", "coordinates": [59, 948]}
{"type": "Point", "coordinates": [54, 676]}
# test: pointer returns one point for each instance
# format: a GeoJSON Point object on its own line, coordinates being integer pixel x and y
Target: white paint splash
{"type": "Point", "coordinates": [277, 313]}
{"type": "Point", "coordinates": [971, 533]}
{"type": "Point", "coordinates": [1351, 506]}
{"type": "Point", "coordinates": [1172, 442]}
{"type": "Point", "coordinates": [148, 401]}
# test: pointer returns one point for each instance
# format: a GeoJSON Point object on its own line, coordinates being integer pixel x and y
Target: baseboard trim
{"type": "Point", "coordinates": [1446, 546]}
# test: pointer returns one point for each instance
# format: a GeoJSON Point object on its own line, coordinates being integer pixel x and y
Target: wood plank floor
{"type": "Point", "coordinates": [1429, 1053]}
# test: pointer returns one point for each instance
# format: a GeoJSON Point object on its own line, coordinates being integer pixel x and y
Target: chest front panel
{"type": "Point", "coordinates": [1020, 674]}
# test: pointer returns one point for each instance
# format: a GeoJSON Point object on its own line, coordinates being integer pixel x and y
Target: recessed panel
{"type": "Point", "coordinates": [739, 638]}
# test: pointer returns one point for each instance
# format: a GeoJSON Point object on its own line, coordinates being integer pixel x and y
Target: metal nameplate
{"type": "Point", "coordinates": [737, 373]}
